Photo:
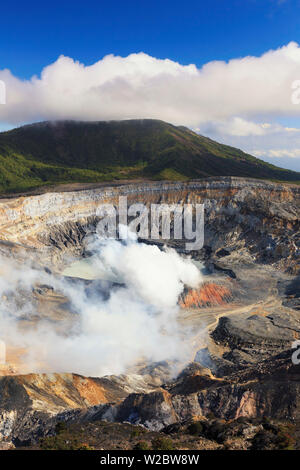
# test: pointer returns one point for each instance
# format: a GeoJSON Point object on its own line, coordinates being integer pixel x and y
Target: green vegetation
{"type": "Point", "coordinates": [64, 439]}
{"type": "Point", "coordinates": [68, 152]}
{"type": "Point", "coordinates": [137, 432]}
{"type": "Point", "coordinates": [275, 436]}
{"type": "Point", "coordinates": [142, 445]}
{"type": "Point", "coordinates": [195, 428]}
{"type": "Point", "coordinates": [244, 432]}
{"type": "Point", "coordinates": [163, 443]}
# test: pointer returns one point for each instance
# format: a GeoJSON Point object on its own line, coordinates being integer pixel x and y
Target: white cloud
{"type": "Point", "coordinates": [235, 126]}
{"type": "Point", "coordinates": [235, 101]}
{"type": "Point", "coordinates": [287, 157]}
{"type": "Point", "coordinates": [278, 153]}
{"type": "Point", "coordinates": [238, 127]}
{"type": "Point", "coordinates": [272, 142]}
{"type": "Point", "coordinates": [143, 86]}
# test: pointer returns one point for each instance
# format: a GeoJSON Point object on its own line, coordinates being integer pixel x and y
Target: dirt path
{"type": "Point", "coordinates": [206, 320]}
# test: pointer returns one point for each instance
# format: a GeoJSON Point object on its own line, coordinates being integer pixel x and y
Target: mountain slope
{"type": "Point", "coordinates": [69, 151]}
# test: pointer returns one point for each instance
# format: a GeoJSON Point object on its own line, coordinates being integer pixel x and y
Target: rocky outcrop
{"type": "Point", "coordinates": [270, 389]}
{"type": "Point", "coordinates": [271, 331]}
{"type": "Point", "coordinates": [242, 216]}
{"type": "Point", "coordinates": [31, 405]}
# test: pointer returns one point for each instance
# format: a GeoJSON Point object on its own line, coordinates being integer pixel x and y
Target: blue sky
{"type": "Point", "coordinates": [156, 41]}
{"type": "Point", "coordinates": [34, 33]}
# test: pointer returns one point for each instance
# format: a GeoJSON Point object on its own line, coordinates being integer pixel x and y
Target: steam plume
{"type": "Point", "coordinates": [111, 330]}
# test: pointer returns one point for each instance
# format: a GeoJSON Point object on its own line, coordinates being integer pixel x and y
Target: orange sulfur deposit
{"type": "Point", "coordinates": [209, 294]}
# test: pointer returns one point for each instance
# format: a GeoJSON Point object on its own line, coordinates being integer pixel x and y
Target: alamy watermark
{"type": "Point", "coordinates": [2, 92]}
{"type": "Point", "coordinates": [296, 353]}
{"type": "Point", "coordinates": [159, 221]}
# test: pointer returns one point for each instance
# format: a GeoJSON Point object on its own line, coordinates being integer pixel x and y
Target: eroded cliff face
{"type": "Point", "coordinates": [31, 405]}
{"type": "Point", "coordinates": [268, 389]}
{"type": "Point", "coordinates": [241, 215]}
{"type": "Point", "coordinates": [252, 233]}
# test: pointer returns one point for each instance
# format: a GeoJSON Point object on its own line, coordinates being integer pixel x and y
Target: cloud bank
{"type": "Point", "coordinates": [239, 98]}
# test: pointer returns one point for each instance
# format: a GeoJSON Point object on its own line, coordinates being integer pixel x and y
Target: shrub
{"type": "Point", "coordinates": [275, 436]}
{"type": "Point", "coordinates": [217, 431]}
{"type": "Point", "coordinates": [60, 427]}
{"type": "Point", "coordinates": [142, 445]}
{"type": "Point", "coordinates": [285, 437]}
{"type": "Point", "coordinates": [196, 428]}
{"type": "Point", "coordinates": [162, 443]}
{"type": "Point", "coordinates": [264, 440]}
{"type": "Point", "coordinates": [59, 443]}
{"type": "Point", "coordinates": [137, 432]}
{"type": "Point", "coordinates": [64, 439]}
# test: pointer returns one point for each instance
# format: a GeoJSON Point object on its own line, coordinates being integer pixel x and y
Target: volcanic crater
{"type": "Point", "coordinates": [238, 325]}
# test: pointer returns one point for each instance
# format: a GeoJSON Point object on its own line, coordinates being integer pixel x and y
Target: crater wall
{"type": "Point", "coordinates": [259, 217]}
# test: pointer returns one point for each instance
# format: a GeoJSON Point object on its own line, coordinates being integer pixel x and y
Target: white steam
{"type": "Point", "coordinates": [110, 332]}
